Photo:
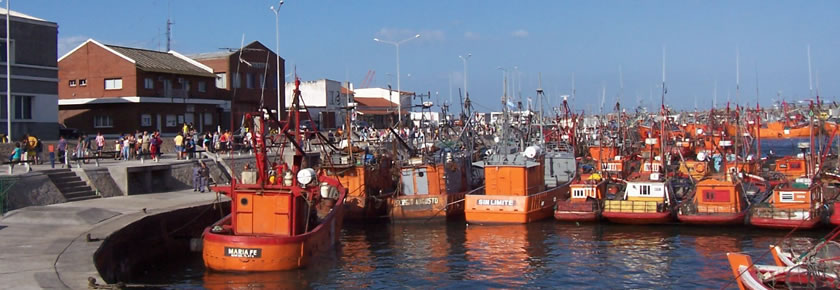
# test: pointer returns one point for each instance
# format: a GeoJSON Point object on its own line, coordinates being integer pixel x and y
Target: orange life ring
{"type": "Point", "coordinates": [700, 168]}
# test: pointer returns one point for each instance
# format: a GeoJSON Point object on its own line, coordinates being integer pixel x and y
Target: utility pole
{"type": "Point", "coordinates": [8, 75]}
{"type": "Point", "coordinates": [169, 34]}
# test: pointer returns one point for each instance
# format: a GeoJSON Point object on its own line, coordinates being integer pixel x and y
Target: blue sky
{"type": "Point", "coordinates": [590, 39]}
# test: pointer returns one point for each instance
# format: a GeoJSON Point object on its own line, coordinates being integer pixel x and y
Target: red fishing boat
{"type": "Point", "coordinates": [715, 201]}
{"type": "Point", "coordinates": [275, 225]}
{"type": "Point", "coordinates": [585, 200]}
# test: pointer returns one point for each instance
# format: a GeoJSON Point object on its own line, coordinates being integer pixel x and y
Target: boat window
{"type": "Point", "coordinates": [644, 189]}
{"type": "Point", "coordinates": [716, 195]}
{"type": "Point", "coordinates": [578, 192]}
{"type": "Point", "coordinates": [786, 196]}
{"type": "Point", "coordinates": [795, 165]}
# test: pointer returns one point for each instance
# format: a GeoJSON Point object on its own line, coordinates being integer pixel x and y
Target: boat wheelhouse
{"type": "Point", "coordinates": [585, 200]}
{"type": "Point", "coordinates": [791, 205]}
{"type": "Point", "coordinates": [432, 190]}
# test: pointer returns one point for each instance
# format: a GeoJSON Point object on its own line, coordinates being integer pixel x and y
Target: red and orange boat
{"type": "Point", "coordinates": [275, 225]}
{"type": "Point", "coordinates": [647, 199]}
{"type": "Point", "coordinates": [585, 200]}
{"type": "Point", "coordinates": [791, 205]}
{"type": "Point", "coordinates": [715, 201]}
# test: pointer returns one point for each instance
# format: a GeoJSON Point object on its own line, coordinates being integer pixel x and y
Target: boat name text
{"type": "Point", "coordinates": [243, 252]}
{"type": "Point", "coordinates": [496, 202]}
{"type": "Point", "coordinates": [418, 201]}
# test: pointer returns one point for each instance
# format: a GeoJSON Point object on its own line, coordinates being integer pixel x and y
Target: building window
{"type": "Point", "coordinates": [22, 106]}
{"type": "Point", "coordinates": [237, 80]}
{"type": "Point", "coordinates": [249, 80]}
{"type": "Point", "coordinates": [221, 80]}
{"type": "Point", "coordinates": [82, 82]}
{"type": "Point", "coordinates": [202, 86]}
{"type": "Point", "coordinates": [3, 50]}
{"type": "Point", "coordinates": [261, 80]}
{"type": "Point", "coordinates": [113, 84]}
{"type": "Point", "coordinates": [149, 83]}
{"type": "Point", "coordinates": [146, 120]}
{"type": "Point", "coordinates": [171, 121]}
{"type": "Point", "coordinates": [72, 83]}
{"type": "Point", "coordinates": [208, 119]}
{"type": "Point", "coordinates": [103, 122]}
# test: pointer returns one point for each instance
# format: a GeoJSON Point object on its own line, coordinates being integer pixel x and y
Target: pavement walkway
{"type": "Point", "coordinates": [47, 247]}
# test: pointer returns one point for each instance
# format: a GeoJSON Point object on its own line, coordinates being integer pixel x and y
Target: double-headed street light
{"type": "Point", "coordinates": [277, 52]}
{"type": "Point", "coordinates": [399, 92]}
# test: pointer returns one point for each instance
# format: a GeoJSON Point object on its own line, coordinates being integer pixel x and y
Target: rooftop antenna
{"type": "Point", "coordinates": [169, 28]}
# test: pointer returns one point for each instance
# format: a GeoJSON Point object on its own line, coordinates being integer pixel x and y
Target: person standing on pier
{"type": "Point", "coordinates": [205, 177]}
{"type": "Point", "coordinates": [179, 145]}
{"type": "Point", "coordinates": [62, 149]}
{"type": "Point", "coordinates": [100, 143]}
{"type": "Point", "coordinates": [197, 177]}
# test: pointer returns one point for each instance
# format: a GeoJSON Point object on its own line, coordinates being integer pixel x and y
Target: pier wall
{"type": "Point", "coordinates": [34, 188]}
{"type": "Point", "coordinates": [153, 240]}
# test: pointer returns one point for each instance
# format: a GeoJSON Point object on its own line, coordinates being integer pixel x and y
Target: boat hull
{"type": "Point", "coordinates": [427, 208]}
{"type": "Point", "coordinates": [715, 219]}
{"type": "Point", "coordinates": [244, 253]}
{"type": "Point", "coordinates": [638, 218]}
{"type": "Point", "coordinates": [784, 224]}
{"type": "Point", "coordinates": [576, 216]}
{"type": "Point", "coordinates": [509, 209]}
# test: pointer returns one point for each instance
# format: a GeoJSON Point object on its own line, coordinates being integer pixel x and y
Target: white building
{"type": "Point", "coordinates": [432, 117]}
{"type": "Point", "coordinates": [402, 99]}
{"type": "Point", "coordinates": [324, 99]}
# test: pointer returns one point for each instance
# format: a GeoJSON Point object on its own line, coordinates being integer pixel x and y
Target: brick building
{"type": "Point", "coordinates": [245, 76]}
{"type": "Point", "coordinates": [33, 50]}
{"type": "Point", "coordinates": [113, 89]}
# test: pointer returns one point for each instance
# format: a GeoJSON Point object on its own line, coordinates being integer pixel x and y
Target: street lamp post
{"type": "Point", "coordinates": [277, 53]}
{"type": "Point", "coordinates": [399, 92]}
{"type": "Point", "coordinates": [8, 76]}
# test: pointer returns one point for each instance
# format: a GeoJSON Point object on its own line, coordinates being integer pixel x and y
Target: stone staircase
{"type": "Point", "coordinates": [70, 185]}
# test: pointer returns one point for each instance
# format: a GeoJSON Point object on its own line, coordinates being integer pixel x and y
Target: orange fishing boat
{"type": "Point", "coordinates": [782, 130]}
{"type": "Point", "coordinates": [514, 190]}
{"type": "Point", "coordinates": [791, 205]}
{"type": "Point", "coordinates": [368, 181]}
{"type": "Point", "coordinates": [585, 199]}
{"type": "Point", "coordinates": [715, 201]}
{"type": "Point", "coordinates": [432, 190]}
{"type": "Point", "coordinates": [275, 225]}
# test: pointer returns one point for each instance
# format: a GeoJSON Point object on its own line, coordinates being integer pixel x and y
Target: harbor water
{"type": "Point", "coordinates": [546, 254]}
{"type": "Point", "coordinates": [543, 254]}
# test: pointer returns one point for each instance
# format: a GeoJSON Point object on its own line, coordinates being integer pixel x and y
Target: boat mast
{"type": "Point", "coordinates": [737, 105]}
{"type": "Point", "coordinates": [664, 118]}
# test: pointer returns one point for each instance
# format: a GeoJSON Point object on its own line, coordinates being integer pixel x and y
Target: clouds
{"type": "Point", "coordinates": [469, 35]}
{"type": "Point", "coordinates": [520, 33]}
{"type": "Point", "coordinates": [65, 44]}
{"type": "Point", "coordinates": [397, 34]}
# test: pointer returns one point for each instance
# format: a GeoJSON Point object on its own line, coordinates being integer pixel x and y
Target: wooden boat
{"type": "Point", "coordinates": [275, 225]}
{"type": "Point", "coordinates": [647, 200]}
{"type": "Point", "coordinates": [368, 181]}
{"type": "Point", "coordinates": [432, 190]}
{"type": "Point", "coordinates": [791, 167]}
{"type": "Point", "coordinates": [791, 205]}
{"type": "Point", "coordinates": [715, 201]}
{"type": "Point", "coordinates": [585, 200]}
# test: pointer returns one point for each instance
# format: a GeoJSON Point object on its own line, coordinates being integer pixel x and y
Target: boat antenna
{"type": "Point", "coordinates": [810, 83]}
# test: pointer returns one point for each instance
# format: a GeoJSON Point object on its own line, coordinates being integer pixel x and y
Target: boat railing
{"type": "Point", "coordinates": [633, 206]}
{"type": "Point", "coordinates": [693, 208]}
{"type": "Point", "coordinates": [784, 214]}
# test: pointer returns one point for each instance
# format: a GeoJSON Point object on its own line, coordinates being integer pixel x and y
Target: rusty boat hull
{"type": "Point", "coordinates": [713, 219]}
{"type": "Point", "coordinates": [427, 208]}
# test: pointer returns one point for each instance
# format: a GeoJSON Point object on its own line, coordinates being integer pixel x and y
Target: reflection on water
{"type": "Point", "coordinates": [545, 254]}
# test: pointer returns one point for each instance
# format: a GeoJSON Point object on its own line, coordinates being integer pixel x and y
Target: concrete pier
{"type": "Point", "coordinates": [54, 246]}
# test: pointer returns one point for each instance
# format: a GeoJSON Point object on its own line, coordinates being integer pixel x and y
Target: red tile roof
{"type": "Point", "coordinates": [375, 102]}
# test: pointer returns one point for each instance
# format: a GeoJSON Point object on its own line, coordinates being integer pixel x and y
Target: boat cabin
{"type": "Point", "coordinates": [521, 180]}
{"type": "Point", "coordinates": [581, 192]}
{"type": "Point", "coordinates": [792, 167]}
{"type": "Point", "coordinates": [646, 191]}
{"type": "Point", "coordinates": [651, 167]}
{"type": "Point", "coordinates": [717, 196]}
